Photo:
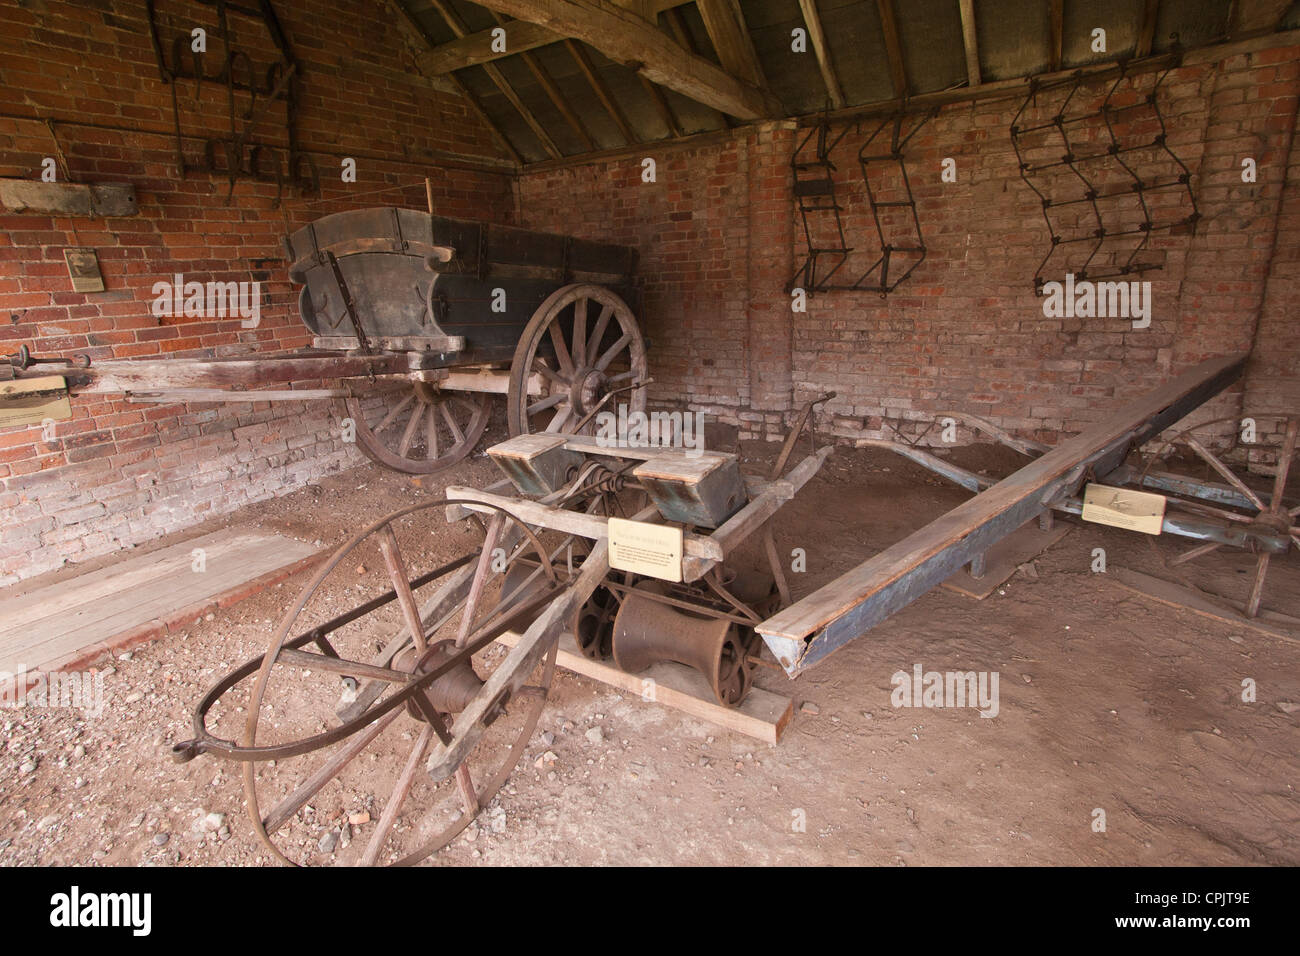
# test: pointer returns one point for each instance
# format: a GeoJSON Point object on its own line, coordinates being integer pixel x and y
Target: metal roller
{"type": "Point", "coordinates": [647, 631]}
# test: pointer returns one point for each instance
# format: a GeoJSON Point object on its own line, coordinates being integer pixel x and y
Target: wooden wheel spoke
{"type": "Point", "coordinates": [560, 418]}
{"type": "Point", "coordinates": [1257, 587]}
{"type": "Point", "coordinates": [431, 435]}
{"type": "Point", "coordinates": [1227, 473]}
{"type": "Point", "coordinates": [1195, 553]}
{"type": "Point", "coordinates": [451, 423]}
{"type": "Point", "coordinates": [283, 811]}
{"type": "Point", "coordinates": [620, 377]}
{"type": "Point", "coordinates": [580, 331]}
{"type": "Point", "coordinates": [550, 374]}
{"type": "Point", "coordinates": [602, 363]}
{"type": "Point", "coordinates": [561, 349]}
{"type": "Point", "coordinates": [550, 401]}
{"type": "Point", "coordinates": [1284, 464]}
{"type": "Point", "coordinates": [341, 665]}
{"type": "Point", "coordinates": [598, 333]}
{"type": "Point", "coordinates": [393, 807]}
{"type": "Point", "coordinates": [392, 415]}
{"type": "Point", "coordinates": [408, 436]}
{"type": "Point", "coordinates": [468, 795]}
{"type": "Point", "coordinates": [401, 584]}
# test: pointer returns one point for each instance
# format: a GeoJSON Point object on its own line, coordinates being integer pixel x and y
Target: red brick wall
{"type": "Point", "coordinates": [120, 473]}
{"type": "Point", "coordinates": [719, 239]}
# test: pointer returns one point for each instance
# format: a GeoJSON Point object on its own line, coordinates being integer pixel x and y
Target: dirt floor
{"type": "Point", "coordinates": [1108, 702]}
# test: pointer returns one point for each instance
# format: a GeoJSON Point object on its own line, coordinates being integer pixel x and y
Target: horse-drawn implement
{"type": "Point", "coordinates": [420, 320]}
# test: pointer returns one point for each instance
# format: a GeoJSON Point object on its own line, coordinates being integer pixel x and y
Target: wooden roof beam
{"type": "Point", "coordinates": [817, 37]}
{"type": "Point", "coordinates": [475, 49]}
{"type": "Point", "coordinates": [1056, 34]}
{"type": "Point", "coordinates": [601, 89]}
{"type": "Point", "coordinates": [629, 39]}
{"type": "Point", "coordinates": [893, 47]}
{"type": "Point", "coordinates": [726, 28]}
{"type": "Point", "coordinates": [458, 27]}
{"type": "Point", "coordinates": [970, 40]}
{"type": "Point", "coordinates": [412, 27]}
{"type": "Point", "coordinates": [682, 34]}
{"type": "Point", "coordinates": [1147, 32]}
{"type": "Point", "coordinates": [544, 79]}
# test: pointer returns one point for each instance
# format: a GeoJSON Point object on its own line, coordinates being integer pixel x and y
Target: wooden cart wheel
{"type": "Point", "coordinates": [1237, 501]}
{"type": "Point", "coordinates": [312, 803]}
{"type": "Point", "coordinates": [582, 343]}
{"type": "Point", "coordinates": [420, 430]}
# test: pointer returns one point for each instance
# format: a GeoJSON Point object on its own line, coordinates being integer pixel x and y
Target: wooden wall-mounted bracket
{"type": "Point", "coordinates": [69, 199]}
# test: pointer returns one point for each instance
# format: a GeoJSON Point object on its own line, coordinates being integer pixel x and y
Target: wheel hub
{"type": "Point", "coordinates": [587, 390]}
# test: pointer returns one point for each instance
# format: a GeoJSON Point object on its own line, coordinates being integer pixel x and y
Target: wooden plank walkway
{"type": "Point", "coordinates": [141, 596]}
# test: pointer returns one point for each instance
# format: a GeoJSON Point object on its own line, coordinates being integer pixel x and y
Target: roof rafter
{"type": "Point", "coordinates": [629, 39]}
{"type": "Point", "coordinates": [893, 47]}
{"type": "Point", "coordinates": [970, 41]}
{"type": "Point", "coordinates": [817, 37]}
{"type": "Point", "coordinates": [601, 89]}
{"type": "Point", "coordinates": [1056, 34]}
{"type": "Point", "coordinates": [726, 28]}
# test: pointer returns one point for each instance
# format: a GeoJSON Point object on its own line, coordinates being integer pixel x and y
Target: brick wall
{"type": "Point", "coordinates": [117, 473]}
{"type": "Point", "coordinates": [718, 236]}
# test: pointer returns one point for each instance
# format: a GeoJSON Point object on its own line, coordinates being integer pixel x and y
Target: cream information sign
{"type": "Point", "coordinates": [654, 550]}
{"type": "Point", "coordinates": [1121, 508]}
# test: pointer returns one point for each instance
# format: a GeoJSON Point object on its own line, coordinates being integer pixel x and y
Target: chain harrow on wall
{"type": "Point", "coordinates": [820, 209]}
{"type": "Point", "coordinates": [1104, 220]}
{"type": "Point", "coordinates": [237, 156]}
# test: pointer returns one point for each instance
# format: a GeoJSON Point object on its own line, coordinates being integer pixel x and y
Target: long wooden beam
{"type": "Point", "coordinates": [601, 89]}
{"type": "Point", "coordinates": [1056, 34]}
{"type": "Point", "coordinates": [808, 630]}
{"type": "Point", "coordinates": [1147, 32]}
{"type": "Point", "coordinates": [726, 28]}
{"type": "Point", "coordinates": [629, 39]}
{"type": "Point", "coordinates": [458, 27]}
{"type": "Point", "coordinates": [543, 77]}
{"type": "Point", "coordinates": [970, 41]}
{"type": "Point", "coordinates": [817, 37]}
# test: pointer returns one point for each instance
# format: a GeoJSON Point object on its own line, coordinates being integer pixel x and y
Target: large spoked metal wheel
{"type": "Point", "coordinates": [1238, 497]}
{"type": "Point", "coordinates": [581, 344]}
{"type": "Point", "coordinates": [420, 429]}
{"type": "Point", "coordinates": [336, 738]}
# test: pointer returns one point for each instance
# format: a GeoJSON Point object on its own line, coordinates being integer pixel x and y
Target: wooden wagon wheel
{"type": "Point", "coordinates": [387, 721]}
{"type": "Point", "coordinates": [421, 430]}
{"type": "Point", "coordinates": [577, 357]}
{"type": "Point", "coordinates": [1263, 508]}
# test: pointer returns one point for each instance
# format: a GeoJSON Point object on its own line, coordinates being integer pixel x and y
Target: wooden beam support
{"type": "Point", "coordinates": [970, 40]}
{"type": "Point", "coordinates": [458, 27]}
{"type": "Point", "coordinates": [579, 53]}
{"type": "Point", "coordinates": [475, 49]}
{"type": "Point", "coordinates": [893, 47]}
{"type": "Point", "coordinates": [627, 38]}
{"type": "Point", "coordinates": [544, 79]}
{"type": "Point", "coordinates": [1056, 34]}
{"type": "Point", "coordinates": [682, 34]}
{"type": "Point", "coordinates": [1147, 32]}
{"type": "Point", "coordinates": [726, 27]}
{"type": "Point", "coordinates": [817, 37]}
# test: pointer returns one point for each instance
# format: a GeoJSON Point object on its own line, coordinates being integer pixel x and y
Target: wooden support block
{"type": "Point", "coordinates": [1003, 558]}
{"type": "Point", "coordinates": [702, 490]}
{"type": "Point", "coordinates": [762, 715]}
{"type": "Point", "coordinates": [68, 199]}
{"type": "Point", "coordinates": [537, 464]}
{"type": "Point", "coordinates": [1270, 623]}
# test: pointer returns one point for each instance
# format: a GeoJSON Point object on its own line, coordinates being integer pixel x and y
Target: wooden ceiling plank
{"type": "Point", "coordinates": [412, 26]}
{"type": "Point", "coordinates": [1147, 32]}
{"type": "Point", "coordinates": [970, 41]}
{"type": "Point", "coordinates": [1056, 39]}
{"type": "Point", "coordinates": [731, 40]}
{"type": "Point", "coordinates": [543, 77]}
{"type": "Point", "coordinates": [601, 89]}
{"type": "Point", "coordinates": [893, 47]}
{"type": "Point", "coordinates": [458, 27]}
{"type": "Point", "coordinates": [629, 39]}
{"type": "Point", "coordinates": [817, 37]}
{"type": "Point", "coordinates": [682, 34]}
